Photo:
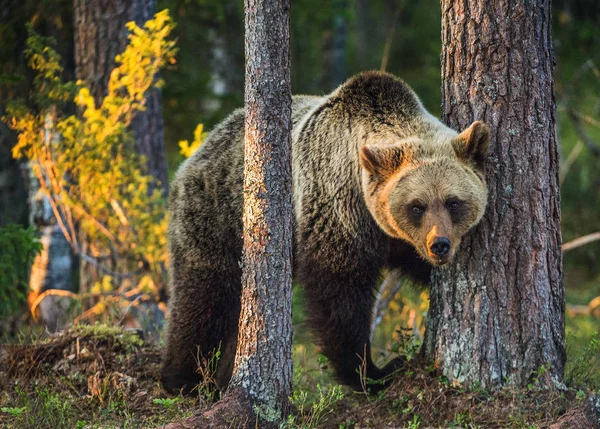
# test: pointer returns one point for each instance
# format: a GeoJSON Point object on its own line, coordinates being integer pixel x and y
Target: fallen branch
{"type": "Point", "coordinates": [41, 296]}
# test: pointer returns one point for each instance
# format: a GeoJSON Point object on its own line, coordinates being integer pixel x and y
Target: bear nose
{"type": "Point", "coordinates": [440, 246]}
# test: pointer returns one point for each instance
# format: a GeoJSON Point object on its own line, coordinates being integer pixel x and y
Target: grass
{"type": "Point", "coordinates": [420, 399]}
{"type": "Point", "coordinates": [101, 376]}
{"type": "Point", "coordinates": [311, 413]}
{"type": "Point", "coordinates": [583, 353]}
{"type": "Point", "coordinates": [92, 377]}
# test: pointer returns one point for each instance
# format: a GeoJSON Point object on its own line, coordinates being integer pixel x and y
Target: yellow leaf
{"type": "Point", "coordinates": [188, 149]}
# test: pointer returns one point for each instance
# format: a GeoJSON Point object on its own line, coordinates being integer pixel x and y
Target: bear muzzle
{"type": "Point", "coordinates": [438, 245]}
{"type": "Point", "coordinates": [439, 250]}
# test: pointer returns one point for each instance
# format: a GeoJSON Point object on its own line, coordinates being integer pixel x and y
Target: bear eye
{"type": "Point", "coordinates": [417, 210]}
{"type": "Point", "coordinates": [453, 206]}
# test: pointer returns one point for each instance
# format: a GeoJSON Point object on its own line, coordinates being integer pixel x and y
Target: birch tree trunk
{"type": "Point", "coordinates": [497, 312]}
{"type": "Point", "coordinates": [263, 363]}
{"type": "Point", "coordinates": [52, 271]}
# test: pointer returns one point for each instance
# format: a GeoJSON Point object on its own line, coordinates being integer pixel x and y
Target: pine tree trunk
{"type": "Point", "coordinates": [497, 312]}
{"type": "Point", "coordinates": [263, 363]}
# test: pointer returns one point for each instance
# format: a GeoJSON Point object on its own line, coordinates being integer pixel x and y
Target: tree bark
{"type": "Point", "coordinates": [263, 363]}
{"type": "Point", "coordinates": [100, 35]}
{"type": "Point", "coordinates": [497, 312]}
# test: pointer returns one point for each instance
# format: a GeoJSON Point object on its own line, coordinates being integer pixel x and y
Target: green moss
{"type": "Point", "coordinates": [128, 340]}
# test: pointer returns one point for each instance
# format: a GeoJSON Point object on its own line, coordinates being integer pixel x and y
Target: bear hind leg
{"type": "Point", "coordinates": [204, 321]}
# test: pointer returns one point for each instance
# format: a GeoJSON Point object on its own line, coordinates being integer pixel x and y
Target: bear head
{"type": "Point", "coordinates": [428, 193]}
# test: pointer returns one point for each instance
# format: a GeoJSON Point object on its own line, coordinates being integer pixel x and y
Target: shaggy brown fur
{"type": "Point", "coordinates": [377, 180]}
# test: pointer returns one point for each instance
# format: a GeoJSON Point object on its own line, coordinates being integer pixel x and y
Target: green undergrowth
{"type": "Point", "coordinates": [583, 353]}
{"type": "Point", "coordinates": [88, 377]}
{"type": "Point", "coordinates": [104, 377]}
{"type": "Point", "coordinates": [420, 398]}
{"type": "Point", "coordinates": [128, 340]}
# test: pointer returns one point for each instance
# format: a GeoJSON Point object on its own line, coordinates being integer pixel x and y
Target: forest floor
{"type": "Point", "coordinates": [104, 377]}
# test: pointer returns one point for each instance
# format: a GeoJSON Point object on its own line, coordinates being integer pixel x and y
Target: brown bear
{"type": "Point", "coordinates": [377, 182]}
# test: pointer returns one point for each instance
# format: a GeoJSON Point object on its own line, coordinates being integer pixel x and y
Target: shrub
{"type": "Point", "coordinates": [18, 248]}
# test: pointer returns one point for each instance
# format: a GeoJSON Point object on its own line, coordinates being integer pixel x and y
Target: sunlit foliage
{"type": "Point", "coordinates": [98, 187]}
{"type": "Point", "coordinates": [187, 148]}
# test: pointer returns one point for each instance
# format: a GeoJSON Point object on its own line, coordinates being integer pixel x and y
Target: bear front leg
{"type": "Point", "coordinates": [339, 306]}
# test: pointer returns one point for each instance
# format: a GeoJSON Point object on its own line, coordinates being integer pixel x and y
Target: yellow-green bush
{"type": "Point", "coordinates": [97, 185]}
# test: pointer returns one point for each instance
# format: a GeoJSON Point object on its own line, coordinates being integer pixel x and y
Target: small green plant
{"type": "Point", "coordinates": [540, 379]}
{"type": "Point", "coordinates": [311, 414]}
{"type": "Point", "coordinates": [170, 406]}
{"type": "Point", "coordinates": [406, 344]}
{"type": "Point", "coordinates": [206, 367]}
{"type": "Point", "coordinates": [398, 404]}
{"type": "Point", "coordinates": [348, 425]}
{"type": "Point", "coordinates": [443, 380]}
{"type": "Point", "coordinates": [167, 403]}
{"type": "Point", "coordinates": [18, 248]}
{"type": "Point", "coordinates": [462, 419]}
{"type": "Point", "coordinates": [14, 411]}
{"type": "Point", "coordinates": [415, 423]}
{"type": "Point", "coordinates": [520, 422]}
{"type": "Point", "coordinates": [44, 409]}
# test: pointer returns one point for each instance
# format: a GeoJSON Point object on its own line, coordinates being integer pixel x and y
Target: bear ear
{"type": "Point", "coordinates": [472, 144]}
{"type": "Point", "coordinates": [381, 161]}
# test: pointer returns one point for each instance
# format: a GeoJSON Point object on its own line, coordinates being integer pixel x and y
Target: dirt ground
{"type": "Point", "coordinates": [104, 377]}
